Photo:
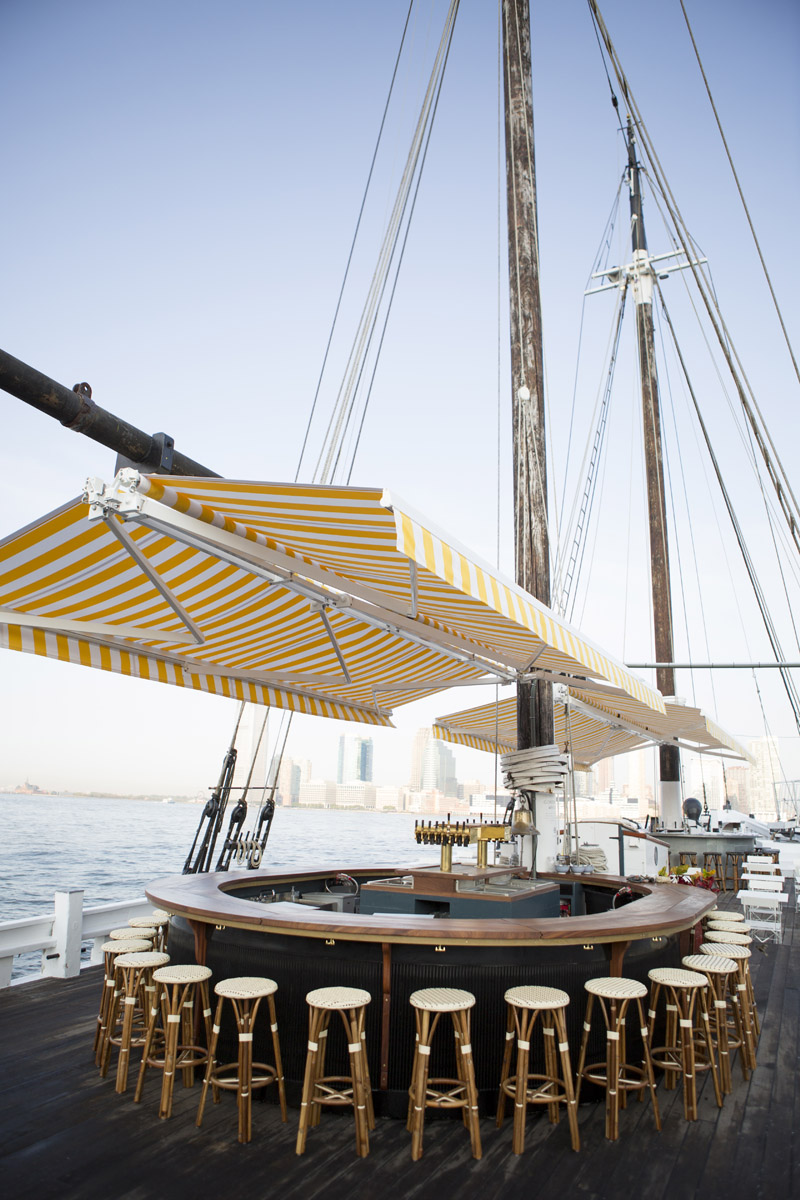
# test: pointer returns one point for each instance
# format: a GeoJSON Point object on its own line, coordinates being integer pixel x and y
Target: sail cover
{"type": "Point", "coordinates": [592, 731]}
{"type": "Point", "coordinates": [334, 601]}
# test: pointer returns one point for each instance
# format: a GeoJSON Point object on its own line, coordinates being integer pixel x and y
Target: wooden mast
{"type": "Point", "coordinates": [534, 701]}
{"type": "Point", "coordinates": [669, 756]}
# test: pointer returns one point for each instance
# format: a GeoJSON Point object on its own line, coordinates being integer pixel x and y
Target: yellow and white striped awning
{"type": "Point", "coordinates": [327, 600]}
{"type": "Point", "coordinates": [592, 731]}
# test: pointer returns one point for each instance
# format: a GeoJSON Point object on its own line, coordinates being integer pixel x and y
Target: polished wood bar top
{"type": "Point", "coordinates": [659, 910]}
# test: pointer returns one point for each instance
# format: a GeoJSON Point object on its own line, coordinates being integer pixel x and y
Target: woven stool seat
{"type": "Point", "coordinates": [731, 916]}
{"type": "Point", "coordinates": [144, 958]}
{"type": "Point", "coordinates": [181, 973]}
{"type": "Point", "coordinates": [150, 922]}
{"type": "Point", "coordinates": [245, 987]}
{"type": "Point", "coordinates": [674, 977]}
{"type": "Point", "coordinates": [731, 926]}
{"type": "Point", "coordinates": [536, 997]}
{"type": "Point", "coordinates": [717, 964]}
{"type": "Point", "coordinates": [131, 946]}
{"type": "Point", "coordinates": [338, 997]}
{"type": "Point", "coordinates": [733, 939]}
{"type": "Point", "coordinates": [142, 931]}
{"type": "Point", "coordinates": [442, 1000]}
{"type": "Point", "coordinates": [727, 951]}
{"type": "Point", "coordinates": [616, 989]}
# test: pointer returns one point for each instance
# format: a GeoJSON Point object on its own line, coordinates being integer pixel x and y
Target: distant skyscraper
{"type": "Point", "coordinates": [355, 760]}
{"type": "Point", "coordinates": [438, 769]}
{"type": "Point", "coordinates": [765, 775]}
{"type": "Point", "coordinates": [421, 739]}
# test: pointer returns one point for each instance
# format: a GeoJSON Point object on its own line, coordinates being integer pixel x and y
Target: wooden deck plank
{"type": "Point", "coordinates": [65, 1133]}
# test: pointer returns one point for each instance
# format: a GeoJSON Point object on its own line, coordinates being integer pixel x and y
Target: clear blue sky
{"type": "Point", "coordinates": [182, 181]}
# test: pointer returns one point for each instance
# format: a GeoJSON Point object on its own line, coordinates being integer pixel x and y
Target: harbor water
{"type": "Point", "coordinates": [112, 848]}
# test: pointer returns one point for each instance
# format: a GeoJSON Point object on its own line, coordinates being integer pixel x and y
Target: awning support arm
{"type": "Point", "coordinates": [128, 544]}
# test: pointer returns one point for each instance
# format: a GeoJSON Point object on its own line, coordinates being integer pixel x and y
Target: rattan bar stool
{"type": "Point", "coordinates": [245, 993]}
{"type": "Point", "coordinates": [748, 1015]}
{"type": "Point", "coordinates": [174, 996]}
{"type": "Point", "coordinates": [687, 858]}
{"type": "Point", "coordinates": [133, 990]}
{"type": "Point", "coordinates": [733, 862]}
{"type": "Point", "coordinates": [719, 971]}
{"type": "Point", "coordinates": [319, 1088]}
{"type": "Point", "coordinates": [425, 1092]}
{"type": "Point", "coordinates": [713, 862]}
{"type": "Point", "coordinates": [525, 1004]}
{"type": "Point", "coordinates": [687, 1007]}
{"type": "Point", "coordinates": [719, 925]}
{"type": "Point", "coordinates": [615, 1074]}
{"type": "Point", "coordinates": [158, 920]}
{"type": "Point", "coordinates": [734, 917]}
{"type": "Point", "coordinates": [729, 935]}
{"type": "Point", "coordinates": [110, 952]}
{"type": "Point", "coordinates": [147, 932]}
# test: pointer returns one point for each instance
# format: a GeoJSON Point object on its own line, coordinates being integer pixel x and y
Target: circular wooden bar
{"type": "Point", "coordinates": [244, 923]}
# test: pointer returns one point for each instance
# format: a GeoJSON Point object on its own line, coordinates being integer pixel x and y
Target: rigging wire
{"type": "Point", "coordinates": [353, 243]}
{"type": "Point", "coordinates": [396, 277]}
{"type": "Point", "coordinates": [605, 244]}
{"type": "Point", "coordinates": [575, 563]}
{"type": "Point", "coordinates": [788, 682]}
{"type": "Point", "coordinates": [741, 193]}
{"type": "Point", "coordinates": [342, 414]}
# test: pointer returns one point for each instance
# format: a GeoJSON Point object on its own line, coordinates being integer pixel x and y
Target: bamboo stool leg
{"type": "Point", "coordinates": [464, 1047]}
{"type": "Point", "coordinates": [362, 1020]}
{"type": "Point", "coordinates": [148, 1043]}
{"type": "Point", "coordinates": [587, 1025]}
{"type": "Point", "coordinates": [315, 1018]}
{"type": "Point", "coordinates": [421, 1081]}
{"type": "Point", "coordinates": [708, 1042]}
{"type": "Point", "coordinates": [521, 1094]}
{"type": "Point", "coordinates": [612, 1069]}
{"type": "Point", "coordinates": [315, 1113]}
{"type": "Point", "coordinates": [212, 1050]}
{"type": "Point", "coordinates": [355, 1051]}
{"type": "Point", "coordinates": [506, 1067]}
{"type": "Point", "coordinates": [131, 980]}
{"type": "Point", "coordinates": [550, 1060]}
{"type": "Point", "coordinates": [276, 1050]}
{"type": "Point", "coordinates": [566, 1074]}
{"type": "Point", "coordinates": [648, 1065]}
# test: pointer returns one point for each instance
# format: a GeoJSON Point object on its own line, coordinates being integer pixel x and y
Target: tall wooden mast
{"type": "Point", "coordinates": [534, 701]}
{"type": "Point", "coordinates": [669, 756]}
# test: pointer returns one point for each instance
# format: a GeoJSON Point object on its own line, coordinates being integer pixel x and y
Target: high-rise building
{"type": "Point", "coordinates": [765, 776]}
{"type": "Point", "coordinates": [439, 769]}
{"type": "Point", "coordinates": [421, 739]}
{"type": "Point", "coordinates": [355, 760]}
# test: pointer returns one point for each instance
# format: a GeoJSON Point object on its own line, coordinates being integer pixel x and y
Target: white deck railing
{"type": "Point", "coordinates": [59, 935]}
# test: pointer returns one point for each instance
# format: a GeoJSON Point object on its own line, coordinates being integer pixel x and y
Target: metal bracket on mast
{"type": "Point", "coordinates": [640, 273]}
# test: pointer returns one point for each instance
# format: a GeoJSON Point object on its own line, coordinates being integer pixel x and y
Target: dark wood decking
{"type": "Point", "coordinates": [64, 1132]}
